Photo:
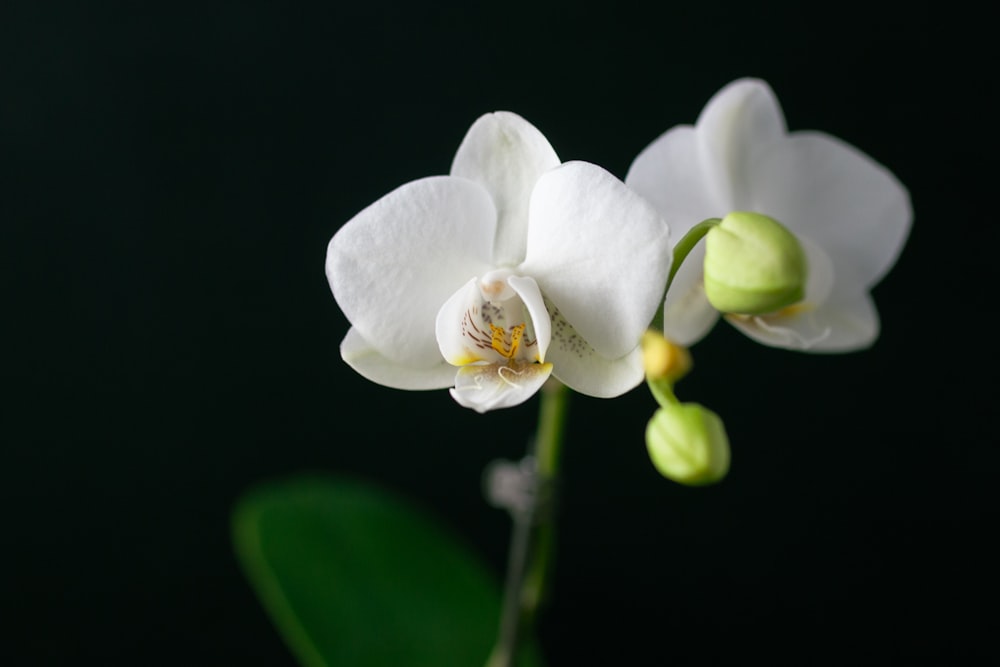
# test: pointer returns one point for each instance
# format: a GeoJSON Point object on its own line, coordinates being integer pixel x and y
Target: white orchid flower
{"type": "Point", "coordinates": [850, 213]}
{"type": "Point", "coordinates": [511, 268]}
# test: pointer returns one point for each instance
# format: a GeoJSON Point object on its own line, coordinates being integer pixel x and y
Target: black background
{"type": "Point", "coordinates": [170, 177]}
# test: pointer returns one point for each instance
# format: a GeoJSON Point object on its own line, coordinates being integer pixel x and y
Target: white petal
{"type": "Point", "coordinates": [687, 314]}
{"type": "Point", "coordinates": [492, 386]}
{"type": "Point", "coordinates": [825, 188]}
{"type": "Point", "coordinates": [694, 173]}
{"type": "Point", "coordinates": [854, 324]}
{"type": "Point", "coordinates": [837, 314]}
{"type": "Point", "coordinates": [367, 361]}
{"type": "Point", "coordinates": [396, 262]}
{"type": "Point", "coordinates": [821, 280]}
{"type": "Point", "coordinates": [835, 326]}
{"type": "Point", "coordinates": [459, 341]}
{"type": "Point", "coordinates": [667, 173]}
{"type": "Point", "coordinates": [577, 365]}
{"type": "Point", "coordinates": [734, 129]}
{"type": "Point", "coordinates": [527, 289]}
{"type": "Point", "coordinates": [599, 252]}
{"type": "Point", "coordinates": [506, 155]}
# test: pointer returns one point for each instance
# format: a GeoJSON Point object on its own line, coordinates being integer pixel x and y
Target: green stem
{"type": "Point", "coordinates": [531, 550]}
{"type": "Point", "coordinates": [681, 251]}
{"type": "Point", "coordinates": [551, 421]}
{"type": "Point", "coordinates": [663, 391]}
{"type": "Point", "coordinates": [548, 447]}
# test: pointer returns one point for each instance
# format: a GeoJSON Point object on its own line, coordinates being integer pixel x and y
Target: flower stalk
{"type": "Point", "coordinates": [690, 239]}
{"type": "Point", "coordinates": [681, 251]}
{"type": "Point", "coordinates": [533, 536]}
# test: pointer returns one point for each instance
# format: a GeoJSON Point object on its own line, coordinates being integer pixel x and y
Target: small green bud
{"type": "Point", "coordinates": [688, 444]}
{"type": "Point", "coordinates": [753, 265]}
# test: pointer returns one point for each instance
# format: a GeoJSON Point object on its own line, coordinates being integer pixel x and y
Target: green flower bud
{"type": "Point", "coordinates": [753, 265]}
{"type": "Point", "coordinates": [688, 444]}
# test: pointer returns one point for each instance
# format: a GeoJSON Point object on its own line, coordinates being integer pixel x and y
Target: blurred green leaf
{"type": "Point", "coordinates": [354, 575]}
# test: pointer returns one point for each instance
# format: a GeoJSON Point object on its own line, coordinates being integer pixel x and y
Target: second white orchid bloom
{"type": "Point", "coordinates": [850, 214]}
{"type": "Point", "coordinates": [512, 268]}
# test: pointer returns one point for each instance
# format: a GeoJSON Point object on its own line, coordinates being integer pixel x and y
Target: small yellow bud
{"type": "Point", "coordinates": [663, 359]}
{"type": "Point", "coordinates": [688, 444]}
{"type": "Point", "coordinates": [753, 265]}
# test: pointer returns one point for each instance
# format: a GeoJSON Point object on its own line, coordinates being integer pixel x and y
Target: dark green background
{"type": "Point", "coordinates": [170, 176]}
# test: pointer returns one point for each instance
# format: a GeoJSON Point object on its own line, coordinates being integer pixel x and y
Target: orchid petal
{"type": "Point", "coordinates": [369, 363]}
{"type": "Point", "coordinates": [541, 325]}
{"type": "Point", "coordinates": [822, 278]}
{"type": "Point", "coordinates": [394, 264]}
{"type": "Point", "coordinates": [599, 252]}
{"type": "Point", "coordinates": [505, 154]}
{"type": "Point", "coordinates": [854, 207]}
{"type": "Point", "coordinates": [836, 315]}
{"type": "Point", "coordinates": [459, 341]}
{"type": "Point", "coordinates": [832, 327]}
{"type": "Point", "coordinates": [578, 366]}
{"type": "Point", "coordinates": [485, 387]}
{"type": "Point", "coordinates": [854, 324]}
{"type": "Point", "coordinates": [666, 174]}
{"type": "Point", "coordinates": [735, 128]}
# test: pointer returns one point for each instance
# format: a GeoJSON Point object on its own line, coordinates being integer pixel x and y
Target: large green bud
{"type": "Point", "coordinates": [753, 265]}
{"type": "Point", "coordinates": [688, 444]}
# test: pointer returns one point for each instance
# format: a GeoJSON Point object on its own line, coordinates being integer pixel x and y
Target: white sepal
{"type": "Point", "coordinates": [505, 154]}
{"type": "Point", "coordinates": [369, 363]}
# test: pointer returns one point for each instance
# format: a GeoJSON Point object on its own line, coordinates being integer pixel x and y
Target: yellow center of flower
{"type": "Point", "coordinates": [506, 344]}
